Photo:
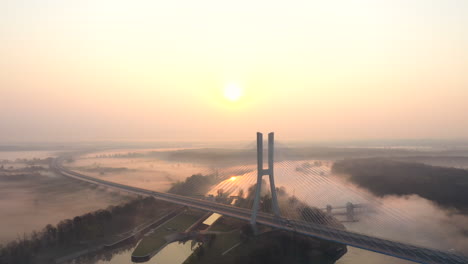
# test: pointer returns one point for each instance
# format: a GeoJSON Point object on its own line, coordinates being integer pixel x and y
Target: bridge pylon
{"type": "Point", "coordinates": [262, 172]}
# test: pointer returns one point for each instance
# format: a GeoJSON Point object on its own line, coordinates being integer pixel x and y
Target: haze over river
{"type": "Point", "coordinates": [314, 185]}
{"type": "Point", "coordinates": [310, 181]}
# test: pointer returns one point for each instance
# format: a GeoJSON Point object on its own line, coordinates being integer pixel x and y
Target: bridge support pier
{"type": "Point", "coordinates": [262, 172]}
{"type": "Point", "coordinates": [350, 212]}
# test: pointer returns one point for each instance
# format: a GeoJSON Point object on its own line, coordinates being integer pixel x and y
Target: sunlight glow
{"type": "Point", "coordinates": [232, 92]}
{"type": "Point", "coordinates": [233, 178]}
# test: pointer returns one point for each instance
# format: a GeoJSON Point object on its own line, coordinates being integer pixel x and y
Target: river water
{"type": "Point", "coordinates": [174, 253]}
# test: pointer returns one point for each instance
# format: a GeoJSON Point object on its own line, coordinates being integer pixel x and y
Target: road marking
{"type": "Point", "coordinates": [225, 252]}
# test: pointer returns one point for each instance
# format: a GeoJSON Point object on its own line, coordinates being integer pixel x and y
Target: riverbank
{"type": "Point", "coordinates": [155, 240]}
{"type": "Point", "coordinates": [87, 233]}
{"type": "Point", "coordinates": [120, 240]}
{"type": "Point", "coordinates": [35, 192]}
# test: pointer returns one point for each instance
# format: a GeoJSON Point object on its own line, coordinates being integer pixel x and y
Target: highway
{"type": "Point", "coordinates": [379, 245]}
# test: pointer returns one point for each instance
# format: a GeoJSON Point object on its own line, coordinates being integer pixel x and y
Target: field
{"type": "Point", "coordinates": [143, 172]}
{"type": "Point", "coordinates": [29, 200]}
{"type": "Point", "coordinates": [156, 239]}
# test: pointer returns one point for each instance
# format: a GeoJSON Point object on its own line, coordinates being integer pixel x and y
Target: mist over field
{"type": "Point", "coordinates": [393, 215]}
{"type": "Point", "coordinates": [32, 197]}
{"type": "Point", "coordinates": [316, 175]}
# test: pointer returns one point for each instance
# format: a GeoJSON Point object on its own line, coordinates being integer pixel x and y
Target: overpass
{"type": "Point", "coordinates": [392, 248]}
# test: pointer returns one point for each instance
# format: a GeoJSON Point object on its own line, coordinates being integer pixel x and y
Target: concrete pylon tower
{"type": "Point", "coordinates": [262, 172]}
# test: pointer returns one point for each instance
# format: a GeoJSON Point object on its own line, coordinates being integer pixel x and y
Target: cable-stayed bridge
{"type": "Point", "coordinates": [254, 216]}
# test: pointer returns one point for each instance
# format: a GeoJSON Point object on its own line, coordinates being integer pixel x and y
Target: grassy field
{"type": "Point", "coordinates": [225, 241]}
{"type": "Point", "coordinates": [221, 244]}
{"type": "Point", "coordinates": [229, 248]}
{"type": "Point", "coordinates": [47, 198]}
{"type": "Point", "coordinates": [155, 240]}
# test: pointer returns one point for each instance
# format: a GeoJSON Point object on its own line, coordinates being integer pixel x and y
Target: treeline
{"type": "Point", "coordinates": [230, 157]}
{"type": "Point", "coordinates": [34, 164]}
{"type": "Point", "coordinates": [31, 162]}
{"type": "Point", "coordinates": [196, 184]}
{"type": "Point", "coordinates": [122, 155]}
{"type": "Point", "coordinates": [80, 230]}
{"type": "Point", "coordinates": [212, 156]}
{"type": "Point", "coordinates": [30, 168]}
{"type": "Point", "coordinates": [445, 186]}
{"type": "Point", "coordinates": [104, 170]}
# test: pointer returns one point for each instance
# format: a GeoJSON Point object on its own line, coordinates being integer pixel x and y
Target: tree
{"type": "Point", "coordinates": [241, 193]}
{"type": "Point", "coordinates": [77, 227]}
{"type": "Point", "coordinates": [50, 235]}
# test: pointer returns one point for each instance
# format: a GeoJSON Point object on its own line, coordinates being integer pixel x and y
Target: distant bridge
{"type": "Point", "coordinates": [348, 211]}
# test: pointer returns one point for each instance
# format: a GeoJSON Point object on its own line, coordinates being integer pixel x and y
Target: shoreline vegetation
{"type": "Point", "coordinates": [442, 185]}
{"type": "Point", "coordinates": [82, 232]}
{"type": "Point", "coordinates": [231, 157]}
{"type": "Point", "coordinates": [155, 240]}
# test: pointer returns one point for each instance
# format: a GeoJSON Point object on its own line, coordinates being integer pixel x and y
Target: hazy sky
{"type": "Point", "coordinates": [320, 70]}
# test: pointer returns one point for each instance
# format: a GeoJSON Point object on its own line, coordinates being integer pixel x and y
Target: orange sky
{"type": "Point", "coordinates": [157, 70]}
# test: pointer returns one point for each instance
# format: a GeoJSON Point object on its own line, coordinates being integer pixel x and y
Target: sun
{"type": "Point", "coordinates": [232, 92]}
